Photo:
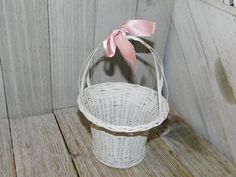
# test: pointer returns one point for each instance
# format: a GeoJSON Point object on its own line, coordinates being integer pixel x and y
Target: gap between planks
{"type": "Point", "coordinates": [39, 148]}
{"type": "Point", "coordinates": [176, 151]}
{"type": "Point", "coordinates": [41, 145]}
{"type": "Point", "coordinates": [7, 166]}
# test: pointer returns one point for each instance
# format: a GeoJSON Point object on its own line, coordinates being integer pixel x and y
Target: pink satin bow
{"type": "Point", "coordinates": [118, 38]}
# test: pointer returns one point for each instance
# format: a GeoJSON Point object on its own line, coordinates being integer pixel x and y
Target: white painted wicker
{"type": "Point", "coordinates": [122, 114]}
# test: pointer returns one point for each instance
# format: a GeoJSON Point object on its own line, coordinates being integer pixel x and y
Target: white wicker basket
{"type": "Point", "coordinates": [122, 115]}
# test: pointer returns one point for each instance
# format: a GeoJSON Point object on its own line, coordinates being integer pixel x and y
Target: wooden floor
{"type": "Point", "coordinates": [58, 145]}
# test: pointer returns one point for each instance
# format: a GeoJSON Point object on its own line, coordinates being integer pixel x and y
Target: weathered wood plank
{"type": "Point", "coordinates": [200, 37]}
{"type": "Point", "coordinates": [71, 40]}
{"type": "Point", "coordinates": [197, 64]}
{"type": "Point", "coordinates": [7, 168]}
{"type": "Point", "coordinates": [158, 11]}
{"type": "Point", "coordinates": [39, 148]}
{"type": "Point", "coordinates": [221, 6]}
{"type": "Point", "coordinates": [193, 151]}
{"type": "Point", "coordinates": [209, 61]}
{"type": "Point", "coordinates": [158, 162]}
{"type": "Point", "coordinates": [25, 56]}
{"type": "Point", "coordinates": [218, 48]}
{"type": "Point", "coordinates": [110, 16]}
{"type": "Point", "coordinates": [182, 95]}
{"type": "Point", "coordinates": [3, 111]}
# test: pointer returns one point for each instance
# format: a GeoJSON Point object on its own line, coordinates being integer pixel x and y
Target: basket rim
{"type": "Point", "coordinates": [121, 128]}
{"type": "Point", "coordinates": [126, 83]}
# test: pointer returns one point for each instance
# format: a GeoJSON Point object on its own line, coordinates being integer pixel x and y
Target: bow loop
{"type": "Point", "coordinates": [118, 38]}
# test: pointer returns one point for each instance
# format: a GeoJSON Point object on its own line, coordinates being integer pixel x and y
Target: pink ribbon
{"type": "Point", "coordinates": [118, 38]}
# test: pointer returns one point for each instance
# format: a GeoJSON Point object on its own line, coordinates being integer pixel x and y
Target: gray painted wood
{"type": "Point", "coordinates": [75, 129]}
{"type": "Point", "coordinates": [199, 73]}
{"type": "Point", "coordinates": [218, 46]}
{"type": "Point", "coordinates": [71, 41]}
{"type": "Point", "coordinates": [7, 168]}
{"type": "Point", "coordinates": [158, 11]}
{"type": "Point", "coordinates": [110, 16]}
{"type": "Point", "coordinates": [209, 59]}
{"type": "Point", "coordinates": [3, 111]}
{"type": "Point", "coordinates": [92, 25]}
{"type": "Point", "coordinates": [180, 84]}
{"type": "Point", "coordinates": [25, 56]}
{"type": "Point", "coordinates": [39, 148]}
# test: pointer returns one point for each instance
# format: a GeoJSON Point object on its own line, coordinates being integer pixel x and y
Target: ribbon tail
{"type": "Point", "coordinates": [109, 46]}
{"type": "Point", "coordinates": [126, 49]}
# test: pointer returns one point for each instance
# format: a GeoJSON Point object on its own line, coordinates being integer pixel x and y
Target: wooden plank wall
{"type": "Point", "coordinates": [94, 21]}
{"type": "Point", "coordinates": [160, 12]}
{"type": "Point", "coordinates": [3, 111]}
{"type": "Point", "coordinates": [199, 63]}
{"type": "Point", "coordinates": [45, 42]}
{"type": "Point", "coordinates": [107, 19]}
{"type": "Point", "coordinates": [24, 50]}
{"type": "Point", "coordinates": [71, 25]}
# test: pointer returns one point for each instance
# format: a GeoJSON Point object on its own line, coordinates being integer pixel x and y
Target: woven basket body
{"type": "Point", "coordinates": [119, 151]}
{"type": "Point", "coordinates": [122, 115]}
{"type": "Point", "coordinates": [123, 105]}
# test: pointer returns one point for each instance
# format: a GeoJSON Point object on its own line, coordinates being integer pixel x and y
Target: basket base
{"type": "Point", "coordinates": [121, 165]}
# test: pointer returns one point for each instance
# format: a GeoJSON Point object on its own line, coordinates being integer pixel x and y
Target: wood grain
{"type": "Point", "coordinates": [193, 151]}
{"type": "Point", "coordinates": [25, 56]}
{"type": "Point", "coordinates": [3, 111]}
{"type": "Point", "coordinates": [217, 45]}
{"type": "Point", "coordinates": [39, 148]}
{"type": "Point", "coordinates": [71, 41]}
{"type": "Point", "coordinates": [208, 60]}
{"type": "Point", "coordinates": [7, 168]}
{"type": "Point", "coordinates": [197, 64]}
{"type": "Point", "coordinates": [160, 12]}
{"type": "Point", "coordinates": [180, 84]}
{"type": "Point", "coordinates": [158, 162]}
{"type": "Point", "coordinates": [110, 16]}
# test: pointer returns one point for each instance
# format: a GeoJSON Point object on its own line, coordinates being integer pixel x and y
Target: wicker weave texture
{"type": "Point", "coordinates": [125, 112]}
{"type": "Point", "coordinates": [119, 151]}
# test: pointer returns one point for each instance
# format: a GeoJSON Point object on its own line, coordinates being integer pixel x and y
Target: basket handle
{"type": "Point", "coordinates": [158, 66]}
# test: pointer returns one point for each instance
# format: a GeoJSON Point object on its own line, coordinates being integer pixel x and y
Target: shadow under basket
{"type": "Point", "coordinates": [122, 115]}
